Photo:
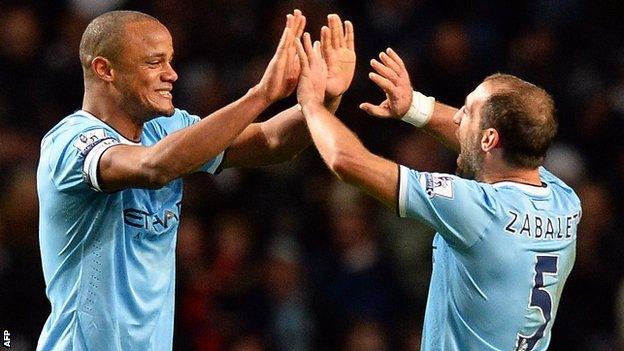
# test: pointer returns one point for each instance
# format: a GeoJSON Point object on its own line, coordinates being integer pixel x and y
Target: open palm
{"type": "Point", "coordinates": [338, 50]}
{"type": "Point", "coordinates": [281, 75]}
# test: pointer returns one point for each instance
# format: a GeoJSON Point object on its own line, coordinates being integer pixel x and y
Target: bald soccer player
{"type": "Point", "coordinates": [109, 176]}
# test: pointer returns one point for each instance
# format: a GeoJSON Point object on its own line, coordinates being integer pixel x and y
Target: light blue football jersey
{"type": "Point", "coordinates": [502, 254]}
{"type": "Point", "coordinates": [108, 258]}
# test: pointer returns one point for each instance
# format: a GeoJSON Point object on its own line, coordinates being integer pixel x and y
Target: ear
{"type": "Point", "coordinates": [102, 68]}
{"type": "Point", "coordinates": [490, 139]}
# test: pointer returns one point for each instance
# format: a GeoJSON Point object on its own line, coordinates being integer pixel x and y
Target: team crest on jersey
{"type": "Point", "coordinates": [439, 185]}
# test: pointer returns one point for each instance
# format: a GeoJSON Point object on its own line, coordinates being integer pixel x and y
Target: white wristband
{"type": "Point", "coordinates": [420, 111]}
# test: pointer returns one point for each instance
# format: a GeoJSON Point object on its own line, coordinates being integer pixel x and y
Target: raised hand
{"type": "Point", "coordinates": [282, 73]}
{"type": "Point", "coordinates": [392, 77]}
{"type": "Point", "coordinates": [337, 45]}
{"type": "Point", "coordinates": [313, 78]}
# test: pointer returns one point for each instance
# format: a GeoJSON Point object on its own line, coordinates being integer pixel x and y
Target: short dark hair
{"type": "Point", "coordinates": [104, 36]}
{"type": "Point", "coordinates": [524, 116]}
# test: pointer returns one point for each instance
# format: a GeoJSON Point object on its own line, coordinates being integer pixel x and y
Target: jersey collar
{"type": "Point", "coordinates": [542, 190]}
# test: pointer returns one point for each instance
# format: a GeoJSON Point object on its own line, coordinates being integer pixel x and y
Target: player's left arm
{"type": "Point", "coordinates": [285, 135]}
{"type": "Point", "coordinates": [340, 148]}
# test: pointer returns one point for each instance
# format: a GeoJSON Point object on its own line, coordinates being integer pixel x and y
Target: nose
{"type": "Point", "coordinates": [457, 116]}
{"type": "Point", "coordinates": [170, 74]}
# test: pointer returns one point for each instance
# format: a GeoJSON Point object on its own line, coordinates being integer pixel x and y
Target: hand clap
{"type": "Point", "coordinates": [280, 78]}
{"type": "Point", "coordinates": [337, 44]}
{"type": "Point", "coordinates": [313, 78]}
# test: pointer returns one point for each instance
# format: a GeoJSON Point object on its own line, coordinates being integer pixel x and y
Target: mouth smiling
{"type": "Point", "coordinates": [165, 93]}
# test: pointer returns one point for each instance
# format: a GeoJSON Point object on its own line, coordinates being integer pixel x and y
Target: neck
{"type": "Point", "coordinates": [499, 170]}
{"type": "Point", "coordinates": [108, 109]}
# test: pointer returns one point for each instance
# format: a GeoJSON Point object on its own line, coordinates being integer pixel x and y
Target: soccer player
{"type": "Point", "coordinates": [506, 229]}
{"type": "Point", "coordinates": [109, 176]}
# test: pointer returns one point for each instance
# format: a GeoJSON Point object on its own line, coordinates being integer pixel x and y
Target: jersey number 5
{"type": "Point", "coordinates": [540, 298]}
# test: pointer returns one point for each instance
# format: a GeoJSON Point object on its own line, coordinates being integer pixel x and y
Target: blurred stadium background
{"type": "Point", "coordinates": [285, 257]}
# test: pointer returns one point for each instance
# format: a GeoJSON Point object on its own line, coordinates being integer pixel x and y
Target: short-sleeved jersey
{"type": "Point", "coordinates": [108, 258]}
{"type": "Point", "coordinates": [502, 253]}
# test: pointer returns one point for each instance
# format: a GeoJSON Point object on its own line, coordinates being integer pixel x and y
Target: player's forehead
{"type": "Point", "coordinates": [480, 94]}
{"type": "Point", "coordinates": [147, 37]}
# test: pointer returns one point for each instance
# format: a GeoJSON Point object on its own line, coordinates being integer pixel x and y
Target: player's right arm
{"type": "Point", "coordinates": [392, 77]}
{"type": "Point", "coordinates": [186, 150]}
{"type": "Point", "coordinates": [285, 135]}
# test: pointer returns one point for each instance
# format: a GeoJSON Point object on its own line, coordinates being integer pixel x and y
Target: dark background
{"type": "Point", "coordinates": [285, 257]}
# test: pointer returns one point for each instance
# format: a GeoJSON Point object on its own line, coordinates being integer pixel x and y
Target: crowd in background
{"type": "Point", "coordinates": [285, 257]}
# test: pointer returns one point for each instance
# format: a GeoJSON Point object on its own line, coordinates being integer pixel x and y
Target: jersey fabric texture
{"type": "Point", "coordinates": [108, 258]}
{"type": "Point", "coordinates": [502, 253]}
